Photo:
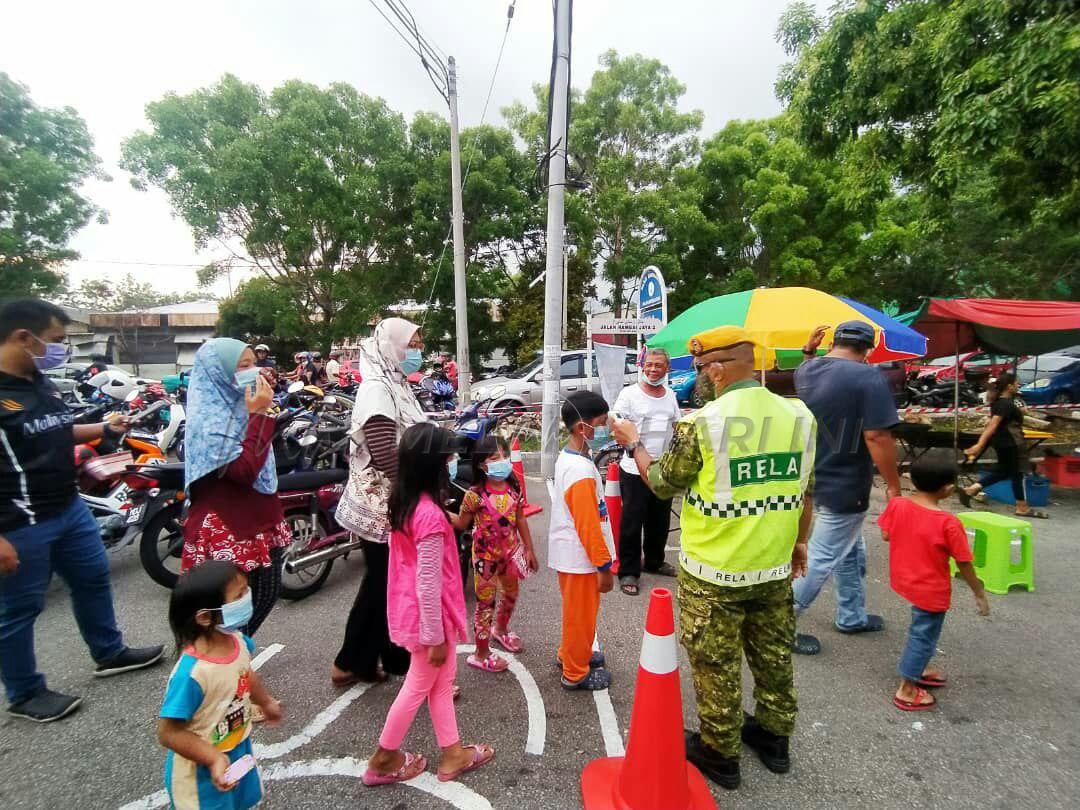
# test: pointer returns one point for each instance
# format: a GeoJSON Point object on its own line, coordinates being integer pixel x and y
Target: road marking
{"type": "Point", "coordinates": [266, 655]}
{"type": "Point", "coordinates": [609, 721]}
{"type": "Point", "coordinates": [312, 729]}
{"type": "Point", "coordinates": [453, 793]}
{"type": "Point", "coordinates": [534, 701]}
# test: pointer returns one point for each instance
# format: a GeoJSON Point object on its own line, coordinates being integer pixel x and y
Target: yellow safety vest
{"type": "Point", "coordinates": [740, 516]}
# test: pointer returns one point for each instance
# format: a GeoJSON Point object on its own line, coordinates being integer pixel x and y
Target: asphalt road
{"type": "Point", "coordinates": [1005, 733]}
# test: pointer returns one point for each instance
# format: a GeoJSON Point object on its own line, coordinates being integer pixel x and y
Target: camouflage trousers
{"type": "Point", "coordinates": [718, 625]}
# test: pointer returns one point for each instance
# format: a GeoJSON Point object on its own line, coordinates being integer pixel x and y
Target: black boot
{"type": "Point", "coordinates": [772, 749]}
{"type": "Point", "coordinates": [720, 769]}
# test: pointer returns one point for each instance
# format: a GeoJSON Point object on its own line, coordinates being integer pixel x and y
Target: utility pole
{"type": "Point", "coordinates": [553, 283]}
{"type": "Point", "coordinates": [461, 314]}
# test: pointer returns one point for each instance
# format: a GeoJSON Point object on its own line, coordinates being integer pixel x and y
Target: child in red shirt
{"type": "Point", "coordinates": [922, 537]}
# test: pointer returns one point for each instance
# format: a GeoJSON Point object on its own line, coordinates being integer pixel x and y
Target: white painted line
{"type": "Point", "coordinates": [453, 793]}
{"type": "Point", "coordinates": [534, 702]}
{"type": "Point", "coordinates": [609, 722]}
{"type": "Point", "coordinates": [312, 729]}
{"type": "Point", "coordinates": [266, 655]}
{"type": "Point", "coordinates": [151, 802]}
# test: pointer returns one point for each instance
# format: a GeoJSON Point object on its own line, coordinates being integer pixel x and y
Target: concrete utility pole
{"type": "Point", "coordinates": [461, 314]}
{"type": "Point", "coordinates": [553, 283]}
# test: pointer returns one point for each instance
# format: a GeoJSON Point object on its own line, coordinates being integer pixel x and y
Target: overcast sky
{"type": "Point", "coordinates": [107, 59]}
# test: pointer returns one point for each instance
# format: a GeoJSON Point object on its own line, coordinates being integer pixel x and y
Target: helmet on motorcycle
{"type": "Point", "coordinates": [316, 357]}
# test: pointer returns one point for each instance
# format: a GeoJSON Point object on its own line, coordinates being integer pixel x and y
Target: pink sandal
{"type": "Point", "coordinates": [482, 755]}
{"type": "Point", "coordinates": [511, 642]}
{"type": "Point", "coordinates": [412, 767]}
{"type": "Point", "coordinates": [493, 663]}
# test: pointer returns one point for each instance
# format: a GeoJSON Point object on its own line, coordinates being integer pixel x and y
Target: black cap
{"type": "Point", "coordinates": [855, 332]}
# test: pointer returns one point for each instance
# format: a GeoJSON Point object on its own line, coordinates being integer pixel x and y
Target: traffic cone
{"type": "Point", "coordinates": [654, 774]}
{"type": "Point", "coordinates": [613, 499]}
{"type": "Point", "coordinates": [519, 472]}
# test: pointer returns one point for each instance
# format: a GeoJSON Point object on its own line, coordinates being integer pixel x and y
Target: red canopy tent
{"type": "Point", "coordinates": [1013, 327]}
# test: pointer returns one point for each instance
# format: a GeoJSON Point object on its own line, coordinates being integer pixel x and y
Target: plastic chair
{"type": "Point", "coordinates": [991, 537]}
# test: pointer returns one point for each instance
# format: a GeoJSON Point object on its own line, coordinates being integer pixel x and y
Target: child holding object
{"type": "Point", "coordinates": [205, 721]}
{"type": "Point", "coordinates": [502, 549]}
{"type": "Point", "coordinates": [580, 543]}
{"type": "Point", "coordinates": [922, 537]}
{"type": "Point", "coordinates": [425, 610]}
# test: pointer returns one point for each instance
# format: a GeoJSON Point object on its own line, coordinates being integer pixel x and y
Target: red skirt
{"type": "Point", "coordinates": [213, 540]}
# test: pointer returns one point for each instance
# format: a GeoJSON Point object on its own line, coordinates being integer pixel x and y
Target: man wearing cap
{"type": "Point", "coordinates": [263, 358]}
{"type": "Point", "coordinates": [333, 365]}
{"type": "Point", "coordinates": [745, 464]}
{"type": "Point", "coordinates": [855, 412]}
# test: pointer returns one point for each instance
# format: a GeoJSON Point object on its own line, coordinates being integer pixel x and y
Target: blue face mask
{"type": "Point", "coordinates": [55, 354]}
{"type": "Point", "coordinates": [235, 615]}
{"type": "Point", "coordinates": [451, 467]}
{"type": "Point", "coordinates": [601, 436]}
{"type": "Point", "coordinates": [412, 362]}
{"type": "Point", "coordinates": [657, 383]}
{"type": "Point", "coordinates": [499, 470]}
{"type": "Point", "coordinates": [247, 377]}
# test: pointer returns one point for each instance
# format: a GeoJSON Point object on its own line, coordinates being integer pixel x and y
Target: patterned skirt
{"type": "Point", "coordinates": [215, 541]}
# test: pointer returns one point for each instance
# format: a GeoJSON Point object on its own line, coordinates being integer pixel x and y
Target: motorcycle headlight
{"type": "Point", "coordinates": [470, 426]}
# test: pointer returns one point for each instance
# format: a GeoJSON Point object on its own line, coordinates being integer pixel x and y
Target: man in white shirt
{"type": "Point", "coordinates": [333, 366]}
{"type": "Point", "coordinates": [653, 408]}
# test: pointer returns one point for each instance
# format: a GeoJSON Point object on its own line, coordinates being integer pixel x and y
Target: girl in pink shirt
{"type": "Point", "coordinates": [425, 611]}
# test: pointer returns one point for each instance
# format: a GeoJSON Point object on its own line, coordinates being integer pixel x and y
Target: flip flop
{"type": "Point", "coordinates": [412, 767]}
{"type": "Point", "coordinates": [493, 663]}
{"type": "Point", "coordinates": [482, 755]}
{"type": "Point", "coordinates": [931, 681]}
{"type": "Point", "coordinates": [456, 691]}
{"type": "Point", "coordinates": [629, 586]}
{"type": "Point", "coordinates": [917, 705]}
{"type": "Point", "coordinates": [511, 642]}
{"type": "Point", "coordinates": [965, 499]}
{"type": "Point", "coordinates": [1034, 513]}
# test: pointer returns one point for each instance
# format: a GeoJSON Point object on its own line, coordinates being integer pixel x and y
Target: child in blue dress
{"type": "Point", "coordinates": [205, 721]}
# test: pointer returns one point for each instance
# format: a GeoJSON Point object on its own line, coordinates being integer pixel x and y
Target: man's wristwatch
{"type": "Point", "coordinates": [630, 448]}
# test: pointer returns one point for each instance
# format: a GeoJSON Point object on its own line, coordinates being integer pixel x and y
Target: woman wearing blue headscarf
{"type": "Point", "coordinates": [229, 473]}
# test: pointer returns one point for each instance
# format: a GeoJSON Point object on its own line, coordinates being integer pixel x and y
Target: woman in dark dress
{"type": "Point", "coordinates": [1005, 433]}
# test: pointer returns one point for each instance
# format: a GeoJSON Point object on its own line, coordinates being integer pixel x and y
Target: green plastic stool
{"type": "Point", "coordinates": [991, 537]}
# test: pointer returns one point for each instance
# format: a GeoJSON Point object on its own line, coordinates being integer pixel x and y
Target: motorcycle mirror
{"type": "Point", "coordinates": [308, 440]}
{"type": "Point", "coordinates": [131, 397]}
{"type": "Point", "coordinates": [296, 387]}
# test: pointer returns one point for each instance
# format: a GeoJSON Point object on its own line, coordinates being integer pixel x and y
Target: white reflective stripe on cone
{"type": "Point", "coordinates": [659, 654]}
{"type": "Point", "coordinates": [612, 489]}
{"type": "Point", "coordinates": [515, 455]}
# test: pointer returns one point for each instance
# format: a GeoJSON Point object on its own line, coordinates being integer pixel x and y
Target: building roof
{"type": "Point", "coordinates": [185, 308]}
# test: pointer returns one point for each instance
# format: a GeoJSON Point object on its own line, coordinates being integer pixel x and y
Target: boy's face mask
{"type": "Point", "coordinates": [601, 436]}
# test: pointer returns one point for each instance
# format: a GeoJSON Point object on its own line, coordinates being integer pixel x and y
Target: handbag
{"type": "Point", "coordinates": [364, 506]}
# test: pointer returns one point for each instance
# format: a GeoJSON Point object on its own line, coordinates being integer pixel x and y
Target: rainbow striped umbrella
{"type": "Point", "coordinates": [781, 319]}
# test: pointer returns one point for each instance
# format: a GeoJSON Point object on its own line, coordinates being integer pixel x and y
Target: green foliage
{"type": "Point", "coordinates": [264, 311]}
{"type": "Point", "coordinates": [105, 295]}
{"type": "Point", "coordinates": [45, 156]}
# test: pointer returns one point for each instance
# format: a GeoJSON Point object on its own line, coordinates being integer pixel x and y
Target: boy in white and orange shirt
{"type": "Point", "coordinates": [580, 543]}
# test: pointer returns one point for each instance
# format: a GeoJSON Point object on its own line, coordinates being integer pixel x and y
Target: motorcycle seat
{"type": "Point", "coordinates": [313, 479]}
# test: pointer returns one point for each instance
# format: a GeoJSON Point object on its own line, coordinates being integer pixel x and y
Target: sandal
{"type": "Point", "coordinates": [665, 569]}
{"type": "Point", "coordinates": [629, 586]}
{"type": "Point", "coordinates": [412, 767]}
{"type": "Point", "coordinates": [920, 704]}
{"type": "Point", "coordinates": [482, 755]}
{"type": "Point", "coordinates": [1032, 513]}
{"type": "Point", "coordinates": [596, 661]}
{"type": "Point", "coordinates": [595, 681]}
{"type": "Point", "coordinates": [493, 663]}
{"type": "Point", "coordinates": [931, 681]}
{"type": "Point", "coordinates": [456, 692]}
{"type": "Point", "coordinates": [511, 642]}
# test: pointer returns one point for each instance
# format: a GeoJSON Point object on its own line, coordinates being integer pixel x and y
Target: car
{"type": "Point", "coordinates": [780, 381]}
{"type": "Point", "coordinates": [525, 387]}
{"type": "Point", "coordinates": [943, 369]}
{"type": "Point", "coordinates": [1050, 379]}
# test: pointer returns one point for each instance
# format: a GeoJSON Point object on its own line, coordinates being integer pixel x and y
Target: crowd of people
{"type": "Point", "coordinates": [774, 491]}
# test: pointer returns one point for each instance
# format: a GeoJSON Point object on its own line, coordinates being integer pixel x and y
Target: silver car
{"type": "Point", "coordinates": [526, 387]}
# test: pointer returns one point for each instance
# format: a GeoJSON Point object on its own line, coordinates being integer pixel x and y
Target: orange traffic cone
{"type": "Point", "coordinates": [519, 472]}
{"type": "Point", "coordinates": [613, 499]}
{"type": "Point", "coordinates": [654, 774]}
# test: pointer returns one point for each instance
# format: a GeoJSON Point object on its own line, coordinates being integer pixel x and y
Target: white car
{"type": "Point", "coordinates": [525, 386]}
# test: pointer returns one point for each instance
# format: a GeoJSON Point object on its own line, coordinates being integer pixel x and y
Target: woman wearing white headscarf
{"type": "Point", "coordinates": [385, 407]}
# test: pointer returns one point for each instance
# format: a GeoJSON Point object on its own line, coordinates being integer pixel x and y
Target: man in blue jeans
{"type": "Point", "coordinates": [44, 526]}
{"type": "Point", "coordinates": [855, 413]}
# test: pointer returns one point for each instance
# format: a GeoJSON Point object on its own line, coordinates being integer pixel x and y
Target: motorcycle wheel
{"type": "Point", "coordinates": [180, 444]}
{"type": "Point", "coordinates": [305, 582]}
{"type": "Point", "coordinates": [161, 545]}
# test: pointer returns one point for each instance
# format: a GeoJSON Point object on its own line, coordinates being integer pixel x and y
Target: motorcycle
{"type": "Point", "coordinates": [166, 427]}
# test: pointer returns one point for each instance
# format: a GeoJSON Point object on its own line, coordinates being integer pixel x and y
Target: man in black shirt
{"type": "Point", "coordinates": [43, 523]}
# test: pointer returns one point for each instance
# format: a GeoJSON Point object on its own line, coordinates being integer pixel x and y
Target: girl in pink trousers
{"type": "Point", "coordinates": [425, 611]}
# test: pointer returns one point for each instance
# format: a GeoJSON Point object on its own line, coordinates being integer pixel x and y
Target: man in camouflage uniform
{"type": "Point", "coordinates": [745, 463]}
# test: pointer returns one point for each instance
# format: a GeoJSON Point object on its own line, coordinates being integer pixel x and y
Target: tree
{"type": "Point", "coordinates": [627, 140]}
{"type": "Point", "coordinates": [261, 311]}
{"type": "Point", "coordinates": [105, 295]}
{"type": "Point", "coordinates": [962, 104]}
{"type": "Point", "coordinates": [45, 157]}
{"type": "Point", "coordinates": [314, 184]}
